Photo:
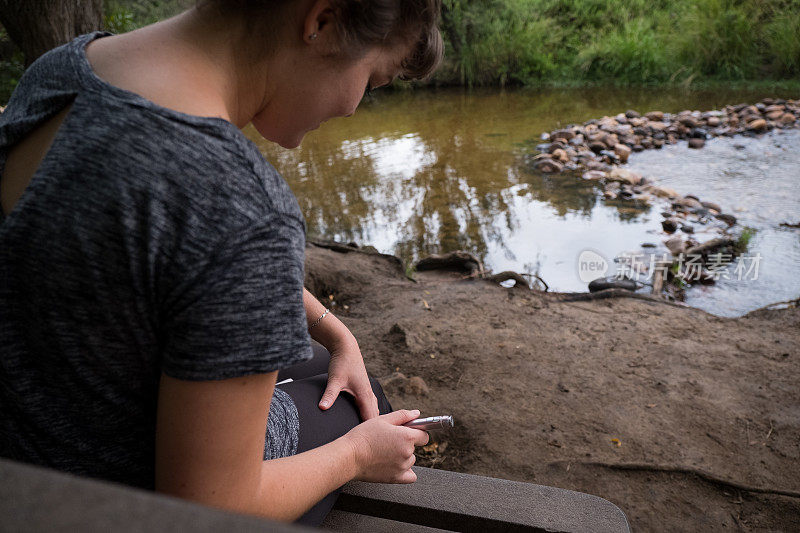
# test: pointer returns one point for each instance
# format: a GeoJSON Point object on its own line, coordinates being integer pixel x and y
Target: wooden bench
{"type": "Point", "coordinates": [39, 499]}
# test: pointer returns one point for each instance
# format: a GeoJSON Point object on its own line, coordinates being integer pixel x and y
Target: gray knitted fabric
{"type": "Point", "coordinates": [148, 240]}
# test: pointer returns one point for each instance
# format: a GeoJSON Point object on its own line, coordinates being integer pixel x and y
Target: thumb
{"type": "Point", "coordinates": [331, 393]}
{"type": "Point", "coordinates": [401, 416]}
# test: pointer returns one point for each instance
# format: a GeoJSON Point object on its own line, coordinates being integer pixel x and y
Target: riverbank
{"type": "Point", "coordinates": [665, 411]}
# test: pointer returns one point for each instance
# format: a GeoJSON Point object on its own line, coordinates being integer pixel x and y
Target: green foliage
{"type": "Point", "coordinates": [118, 19]}
{"type": "Point", "coordinates": [138, 13]}
{"type": "Point", "coordinates": [783, 44]}
{"type": "Point", "coordinates": [741, 244]}
{"type": "Point", "coordinates": [632, 53]}
{"type": "Point", "coordinates": [623, 42]}
{"type": "Point", "coordinates": [719, 38]}
{"type": "Point", "coordinates": [11, 67]}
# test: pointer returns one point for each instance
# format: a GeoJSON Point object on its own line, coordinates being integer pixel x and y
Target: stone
{"type": "Point", "coordinates": [655, 115]}
{"type": "Point", "coordinates": [561, 155]}
{"type": "Point", "coordinates": [787, 118]}
{"type": "Point", "coordinates": [757, 125]}
{"type": "Point", "coordinates": [630, 113]}
{"type": "Point", "coordinates": [548, 166]}
{"type": "Point", "coordinates": [624, 175]}
{"type": "Point", "coordinates": [624, 129]}
{"type": "Point", "coordinates": [564, 134]}
{"type": "Point", "coordinates": [597, 146]}
{"type": "Point", "coordinates": [696, 143]}
{"type": "Point", "coordinates": [686, 201]}
{"type": "Point", "coordinates": [416, 386]}
{"type": "Point", "coordinates": [398, 382]}
{"type": "Point", "coordinates": [597, 165]}
{"type": "Point", "coordinates": [730, 220]}
{"type": "Point", "coordinates": [712, 205]}
{"type": "Point", "coordinates": [594, 175]}
{"type": "Point", "coordinates": [623, 152]}
{"type": "Point", "coordinates": [687, 228]}
{"type": "Point", "coordinates": [712, 122]}
{"type": "Point", "coordinates": [610, 139]}
{"type": "Point", "coordinates": [676, 245]}
{"type": "Point", "coordinates": [670, 225]}
{"type": "Point", "coordinates": [775, 115]}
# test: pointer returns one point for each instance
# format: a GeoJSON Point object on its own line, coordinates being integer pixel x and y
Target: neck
{"type": "Point", "coordinates": [201, 55]}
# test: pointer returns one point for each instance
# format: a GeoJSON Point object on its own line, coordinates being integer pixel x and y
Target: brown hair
{"type": "Point", "coordinates": [360, 25]}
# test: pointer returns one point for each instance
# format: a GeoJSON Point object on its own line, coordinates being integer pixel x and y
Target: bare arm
{"type": "Point", "coordinates": [330, 332]}
{"type": "Point", "coordinates": [210, 448]}
{"type": "Point", "coordinates": [346, 371]}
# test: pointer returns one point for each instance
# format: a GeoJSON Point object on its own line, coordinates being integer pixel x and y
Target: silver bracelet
{"type": "Point", "coordinates": [317, 321]}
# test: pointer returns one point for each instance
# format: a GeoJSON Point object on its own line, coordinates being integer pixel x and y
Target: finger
{"type": "Point", "coordinates": [401, 416]}
{"type": "Point", "coordinates": [409, 462]}
{"type": "Point", "coordinates": [409, 476]}
{"type": "Point", "coordinates": [421, 438]}
{"type": "Point", "coordinates": [367, 403]}
{"type": "Point", "coordinates": [332, 391]}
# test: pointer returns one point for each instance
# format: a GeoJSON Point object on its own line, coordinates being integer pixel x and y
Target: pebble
{"type": "Point", "coordinates": [696, 143]}
{"type": "Point", "coordinates": [670, 225]}
{"type": "Point", "coordinates": [594, 175]}
{"type": "Point", "coordinates": [548, 166]}
{"type": "Point", "coordinates": [757, 125]}
{"type": "Point", "coordinates": [676, 245]}
{"type": "Point", "coordinates": [622, 151]}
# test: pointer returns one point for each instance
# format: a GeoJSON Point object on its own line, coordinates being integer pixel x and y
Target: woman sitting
{"type": "Point", "coordinates": [152, 262]}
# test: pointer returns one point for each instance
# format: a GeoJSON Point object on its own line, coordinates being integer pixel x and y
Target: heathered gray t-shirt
{"type": "Point", "coordinates": [148, 240]}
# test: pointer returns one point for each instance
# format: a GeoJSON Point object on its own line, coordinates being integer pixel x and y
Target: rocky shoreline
{"type": "Point", "coordinates": [597, 150]}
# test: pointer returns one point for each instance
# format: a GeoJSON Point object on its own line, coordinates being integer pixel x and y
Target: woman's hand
{"type": "Point", "coordinates": [346, 372]}
{"type": "Point", "coordinates": [384, 448]}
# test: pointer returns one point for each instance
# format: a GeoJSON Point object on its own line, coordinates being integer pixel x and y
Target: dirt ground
{"type": "Point", "coordinates": [686, 421]}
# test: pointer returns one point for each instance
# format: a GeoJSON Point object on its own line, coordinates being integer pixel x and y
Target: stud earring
{"type": "Point", "coordinates": [312, 36]}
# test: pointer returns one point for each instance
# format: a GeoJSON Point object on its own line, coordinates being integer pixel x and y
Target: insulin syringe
{"type": "Point", "coordinates": [431, 422]}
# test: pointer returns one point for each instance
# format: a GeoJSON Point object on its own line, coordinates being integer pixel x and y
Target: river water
{"type": "Point", "coordinates": [421, 172]}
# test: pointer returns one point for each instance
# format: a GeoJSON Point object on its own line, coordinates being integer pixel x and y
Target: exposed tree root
{"type": "Point", "coordinates": [614, 293]}
{"type": "Point", "coordinates": [770, 307]}
{"type": "Point", "coordinates": [707, 476]}
{"type": "Point", "coordinates": [458, 260]}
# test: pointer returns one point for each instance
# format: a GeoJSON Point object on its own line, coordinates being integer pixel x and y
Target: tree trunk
{"type": "Point", "coordinates": [36, 26]}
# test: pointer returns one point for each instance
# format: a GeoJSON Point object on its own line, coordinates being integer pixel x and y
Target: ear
{"type": "Point", "coordinates": [319, 21]}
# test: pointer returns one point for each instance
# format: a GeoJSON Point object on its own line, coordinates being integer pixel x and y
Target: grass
{"type": "Point", "coordinates": [742, 243]}
{"type": "Point", "coordinates": [620, 42]}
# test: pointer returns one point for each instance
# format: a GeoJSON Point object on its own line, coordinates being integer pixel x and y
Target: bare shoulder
{"type": "Point", "coordinates": [155, 69]}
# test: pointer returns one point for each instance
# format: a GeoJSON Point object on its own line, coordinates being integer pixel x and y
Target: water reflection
{"type": "Point", "coordinates": [755, 179]}
{"type": "Point", "coordinates": [415, 173]}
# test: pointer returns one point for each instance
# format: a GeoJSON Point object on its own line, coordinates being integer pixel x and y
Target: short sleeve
{"type": "Point", "coordinates": [241, 311]}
